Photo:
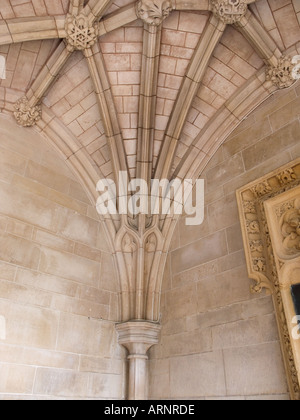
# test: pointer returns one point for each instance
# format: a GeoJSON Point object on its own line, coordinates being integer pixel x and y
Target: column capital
{"type": "Point", "coordinates": [138, 336]}
{"type": "Point", "coordinates": [153, 12]}
{"type": "Point", "coordinates": [229, 11]}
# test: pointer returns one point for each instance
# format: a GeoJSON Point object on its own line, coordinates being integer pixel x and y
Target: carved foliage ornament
{"type": "Point", "coordinates": [290, 229]}
{"type": "Point", "coordinates": [281, 75]}
{"type": "Point", "coordinates": [153, 12]}
{"type": "Point", "coordinates": [80, 34]}
{"type": "Point", "coordinates": [229, 11]}
{"type": "Point", "coordinates": [27, 115]}
{"type": "Point", "coordinates": [286, 176]}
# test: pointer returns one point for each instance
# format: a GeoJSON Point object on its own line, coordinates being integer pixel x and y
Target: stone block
{"type": "Point", "coordinates": [207, 249]}
{"type": "Point", "coordinates": [16, 379]}
{"type": "Point", "coordinates": [28, 326]}
{"type": "Point", "coordinates": [235, 288]}
{"type": "Point", "coordinates": [7, 271]}
{"type": "Point", "coordinates": [35, 209]}
{"type": "Point", "coordinates": [78, 334]}
{"type": "Point", "coordinates": [224, 172]}
{"type": "Point", "coordinates": [24, 294]}
{"type": "Point", "coordinates": [105, 386]}
{"type": "Point", "coordinates": [284, 115]}
{"type": "Point", "coordinates": [262, 367]}
{"type": "Point", "coordinates": [68, 202]}
{"type": "Point", "coordinates": [189, 234]}
{"type": "Point", "coordinates": [47, 177]}
{"type": "Point", "coordinates": [197, 376]}
{"type": "Point", "coordinates": [50, 240]}
{"type": "Point", "coordinates": [194, 342]}
{"type": "Point", "coordinates": [223, 213]}
{"type": "Point", "coordinates": [234, 238]}
{"type": "Point", "coordinates": [60, 383]}
{"type": "Point", "coordinates": [271, 146]}
{"type": "Point", "coordinates": [248, 136]}
{"type": "Point", "coordinates": [181, 302]}
{"type": "Point", "coordinates": [245, 333]}
{"type": "Point", "coordinates": [19, 251]}
{"type": "Point", "coordinates": [46, 282]}
{"type": "Point", "coordinates": [100, 365]}
{"type": "Point", "coordinates": [12, 162]}
{"type": "Point", "coordinates": [244, 311]}
{"type": "Point", "coordinates": [69, 266]}
{"type": "Point", "coordinates": [159, 383]}
{"type": "Point", "coordinates": [38, 357]}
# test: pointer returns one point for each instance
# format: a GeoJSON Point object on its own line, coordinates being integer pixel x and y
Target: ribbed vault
{"type": "Point", "coordinates": [151, 88]}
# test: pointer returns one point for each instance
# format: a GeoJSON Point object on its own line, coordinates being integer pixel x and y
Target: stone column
{"type": "Point", "coordinates": [137, 337]}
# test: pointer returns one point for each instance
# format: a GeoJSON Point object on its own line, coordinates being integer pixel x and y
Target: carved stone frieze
{"type": "Point", "coordinates": [259, 264]}
{"type": "Point", "coordinates": [80, 33]}
{"type": "Point", "coordinates": [25, 114]}
{"type": "Point", "coordinates": [229, 11]}
{"type": "Point", "coordinates": [286, 176]}
{"type": "Point", "coordinates": [253, 226]}
{"type": "Point", "coordinates": [256, 247]}
{"type": "Point", "coordinates": [261, 189]}
{"type": "Point", "coordinates": [153, 12]}
{"type": "Point", "coordinates": [282, 74]}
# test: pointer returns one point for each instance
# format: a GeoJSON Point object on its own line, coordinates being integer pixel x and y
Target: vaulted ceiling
{"type": "Point", "coordinates": [150, 89]}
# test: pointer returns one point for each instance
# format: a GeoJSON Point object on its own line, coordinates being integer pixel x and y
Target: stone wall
{"type": "Point", "coordinates": [219, 340]}
{"type": "Point", "coordinates": [58, 292]}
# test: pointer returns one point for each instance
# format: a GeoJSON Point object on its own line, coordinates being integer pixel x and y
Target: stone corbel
{"type": "Point", "coordinates": [138, 337]}
{"type": "Point", "coordinates": [25, 114]}
{"type": "Point", "coordinates": [229, 11]}
{"type": "Point", "coordinates": [281, 75]}
{"type": "Point", "coordinates": [153, 12]}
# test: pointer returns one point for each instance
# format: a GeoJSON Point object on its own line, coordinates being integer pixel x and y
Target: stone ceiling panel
{"type": "Point", "coordinates": [122, 52]}
{"type": "Point", "coordinates": [274, 15]}
{"type": "Point", "coordinates": [180, 121]}
{"type": "Point", "coordinates": [28, 8]}
{"type": "Point", "coordinates": [24, 62]}
{"type": "Point", "coordinates": [180, 35]}
{"type": "Point", "coordinates": [234, 61]}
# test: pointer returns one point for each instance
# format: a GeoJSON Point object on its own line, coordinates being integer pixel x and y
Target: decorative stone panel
{"type": "Point", "coordinates": [263, 261]}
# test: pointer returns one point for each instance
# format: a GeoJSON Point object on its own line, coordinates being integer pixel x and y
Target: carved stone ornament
{"type": "Point", "coordinates": [229, 11]}
{"type": "Point", "coordinates": [80, 34]}
{"type": "Point", "coordinates": [261, 189]}
{"type": "Point", "coordinates": [153, 12]}
{"type": "Point", "coordinates": [26, 115]}
{"type": "Point", "coordinates": [290, 229]}
{"type": "Point", "coordinates": [259, 251]}
{"type": "Point", "coordinates": [281, 75]}
{"type": "Point", "coordinates": [286, 176]}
